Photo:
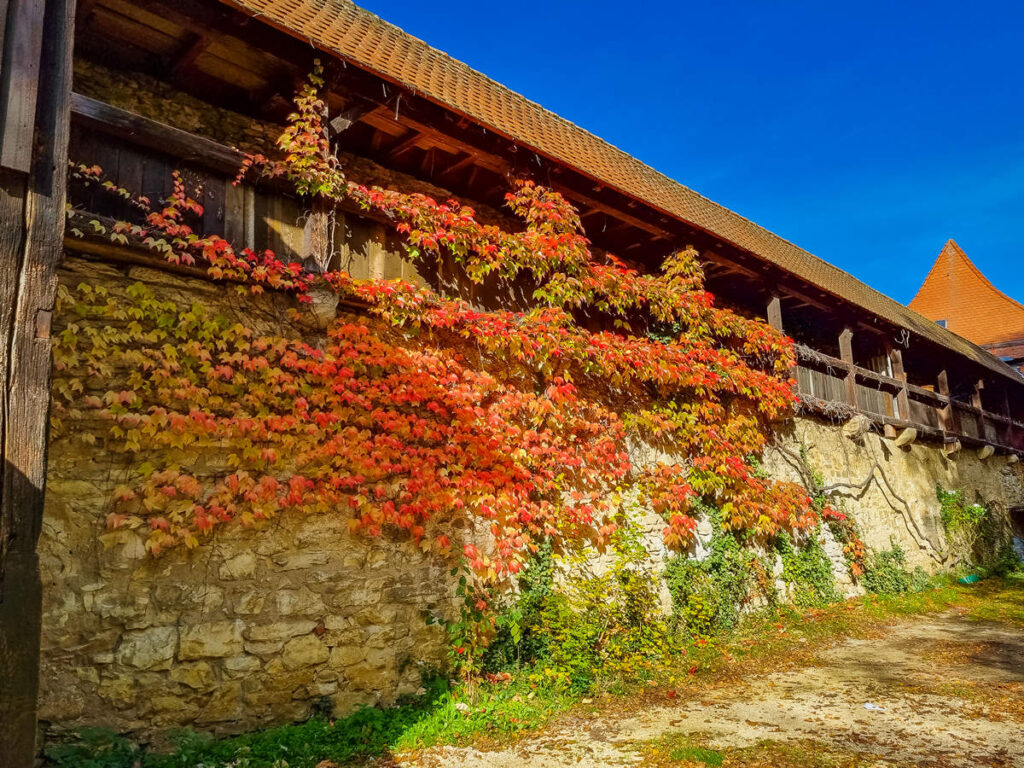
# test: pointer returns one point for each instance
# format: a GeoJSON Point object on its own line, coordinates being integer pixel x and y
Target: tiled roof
{"type": "Point", "coordinates": [957, 292]}
{"type": "Point", "coordinates": [343, 29]}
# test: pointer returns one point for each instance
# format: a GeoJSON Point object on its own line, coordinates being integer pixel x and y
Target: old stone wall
{"type": "Point", "coordinates": [257, 626]}
{"type": "Point", "coordinates": [253, 627]}
{"type": "Point", "coordinates": [890, 490]}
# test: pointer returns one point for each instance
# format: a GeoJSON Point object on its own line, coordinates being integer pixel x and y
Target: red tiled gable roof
{"type": "Point", "coordinates": [957, 292]}
{"type": "Point", "coordinates": [342, 29]}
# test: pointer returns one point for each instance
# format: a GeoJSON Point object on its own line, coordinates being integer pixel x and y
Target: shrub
{"type": "Point", "coordinates": [94, 748]}
{"type": "Point", "coordinates": [887, 573]}
{"type": "Point", "coordinates": [808, 571]}
{"type": "Point", "coordinates": [708, 595]}
{"type": "Point", "coordinates": [565, 633]}
{"type": "Point", "coordinates": [972, 530]}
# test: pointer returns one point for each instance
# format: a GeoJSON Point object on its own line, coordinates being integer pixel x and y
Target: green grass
{"type": "Point", "coordinates": [459, 714]}
{"type": "Point", "coordinates": [691, 750]}
{"type": "Point", "coordinates": [444, 715]}
{"type": "Point", "coordinates": [697, 755]}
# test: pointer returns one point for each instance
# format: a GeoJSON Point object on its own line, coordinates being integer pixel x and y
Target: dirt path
{"type": "Point", "coordinates": [951, 693]}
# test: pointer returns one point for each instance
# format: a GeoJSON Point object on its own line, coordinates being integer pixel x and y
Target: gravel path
{"type": "Point", "coordinates": [949, 692]}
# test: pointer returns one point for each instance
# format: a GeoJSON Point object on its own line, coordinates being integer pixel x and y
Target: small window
{"type": "Point", "coordinates": [940, 323]}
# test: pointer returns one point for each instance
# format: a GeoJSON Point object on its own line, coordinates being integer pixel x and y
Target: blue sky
{"type": "Point", "coordinates": [867, 133]}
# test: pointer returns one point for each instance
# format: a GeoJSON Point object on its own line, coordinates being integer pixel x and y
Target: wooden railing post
{"type": "Point", "coordinates": [947, 416]}
{"type": "Point", "coordinates": [979, 385]}
{"type": "Point", "coordinates": [899, 373]}
{"type": "Point", "coordinates": [775, 313]}
{"type": "Point", "coordinates": [846, 355]}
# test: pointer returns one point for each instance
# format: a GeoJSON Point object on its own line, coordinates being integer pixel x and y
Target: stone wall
{"type": "Point", "coordinates": [253, 627]}
{"type": "Point", "coordinates": [891, 491]}
{"type": "Point", "coordinates": [258, 625]}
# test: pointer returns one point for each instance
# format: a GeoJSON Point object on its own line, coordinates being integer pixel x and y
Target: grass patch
{"type": "Point", "coordinates": [492, 714]}
{"type": "Point", "coordinates": [691, 751]}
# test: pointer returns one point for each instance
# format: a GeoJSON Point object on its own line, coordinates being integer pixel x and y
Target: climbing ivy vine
{"type": "Point", "coordinates": [424, 413]}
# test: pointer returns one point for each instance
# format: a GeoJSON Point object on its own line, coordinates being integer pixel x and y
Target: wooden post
{"type": "Point", "coordinates": [946, 413]}
{"type": "Point", "coordinates": [1008, 435]}
{"type": "Point", "coordinates": [35, 88]}
{"type": "Point", "coordinates": [775, 313]}
{"type": "Point", "coordinates": [377, 251]}
{"type": "Point", "coordinates": [976, 402]}
{"type": "Point", "coordinates": [900, 373]}
{"type": "Point", "coordinates": [846, 354]}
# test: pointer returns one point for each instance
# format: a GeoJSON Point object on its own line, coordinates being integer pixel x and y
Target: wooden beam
{"type": "Point", "coordinates": [615, 213]}
{"type": "Point", "coordinates": [947, 414]}
{"type": "Point", "coordinates": [351, 115]}
{"type": "Point", "coordinates": [195, 48]}
{"type": "Point", "coordinates": [185, 146]}
{"type": "Point", "coordinates": [31, 233]}
{"type": "Point", "coordinates": [979, 385]}
{"type": "Point", "coordinates": [900, 374]}
{"type": "Point", "coordinates": [403, 146]}
{"type": "Point", "coordinates": [464, 162]}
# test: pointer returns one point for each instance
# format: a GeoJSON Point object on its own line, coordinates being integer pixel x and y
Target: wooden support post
{"type": "Point", "coordinates": [35, 91]}
{"type": "Point", "coordinates": [976, 401]}
{"type": "Point", "coordinates": [946, 414]}
{"type": "Point", "coordinates": [1009, 435]}
{"type": "Point", "coordinates": [775, 313]}
{"type": "Point", "coordinates": [899, 373]}
{"type": "Point", "coordinates": [846, 354]}
{"type": "Point", "coordinates": [377, 251]}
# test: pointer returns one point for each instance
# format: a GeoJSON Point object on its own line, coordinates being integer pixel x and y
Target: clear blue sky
{"type": "Point", "coordinates": [867, 133]}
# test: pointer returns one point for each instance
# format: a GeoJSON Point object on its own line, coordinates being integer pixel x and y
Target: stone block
{"type": "Point", "coordinates": [346, 656]}
{"type": "Point", "coordinates": [265, 648]}
{"type": "Point", "coordinates": [215, 639]}
{"type": "Point", "coordinates": [148, 648]}
{"type": "Point", "coordinates": [241, 665]}
{"type": "Point", "coordinates": [300, 561]}
{"type": "Point", "coordinates": [200, 675]}
{"type": "Point", "coordinates": [279, 630]}
{"type": "Point", "coordinates": [249, 603]}
{"type": "Point", "coordinates": [304, 651]}
{"type": "Point", "coordinates": [302, 602]}
{"type": "Point", "coordinates": [224, 705]}
{"type": "Point", "coordinates": [241, 566]}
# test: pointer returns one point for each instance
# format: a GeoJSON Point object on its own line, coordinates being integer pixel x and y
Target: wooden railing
{"type": "Point", "coordinates": [896, 404]}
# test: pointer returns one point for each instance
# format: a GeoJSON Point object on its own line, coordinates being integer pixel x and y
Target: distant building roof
{"type": "Point", "coordinates": [343, 29]}
{"type": "Point", "coordinates": [955, 291]}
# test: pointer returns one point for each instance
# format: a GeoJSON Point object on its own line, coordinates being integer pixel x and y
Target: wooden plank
{"type": "Point", "coordinates": [234, 214]}
{"type": "Point", "coordinates": [19, 82]}
{"type": "Point", "coordinates": [31, 234]}
{"type": "Point", "coordinates": [183, 145]}
{"type": "Point", "coordinates": [213, 205]}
